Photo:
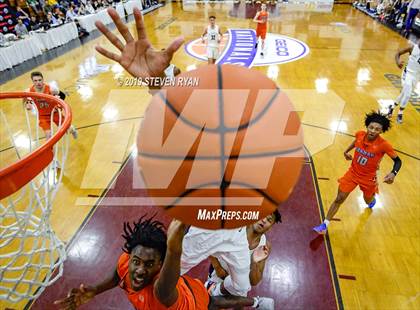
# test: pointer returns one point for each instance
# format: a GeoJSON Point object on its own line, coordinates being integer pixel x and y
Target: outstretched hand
{"type": "Point", "coordinates": [138, 57]}
{"type": "Point", "coordinates": [76, 297]}
{"type": "Point", "coordinates": [261, 253]}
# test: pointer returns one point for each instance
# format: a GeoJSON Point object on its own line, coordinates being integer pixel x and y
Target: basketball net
{"type": "Point", "coordinates": [31, 255]}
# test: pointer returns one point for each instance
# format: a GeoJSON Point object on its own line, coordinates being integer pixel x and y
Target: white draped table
{"type": "Point", "coordinates": [18, 52]}
{"type": "Point", "coordinates": [129, 5]}
{"type": "Point", "coordinates": [56, 36]}
{"type": "Point", "coordinates": [88, 21]}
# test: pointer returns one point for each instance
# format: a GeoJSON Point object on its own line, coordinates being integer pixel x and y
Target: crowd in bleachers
{"type": "Point", "coordinates": [400, 14]}
{"type": "Point", "coordinates": [32, 15]}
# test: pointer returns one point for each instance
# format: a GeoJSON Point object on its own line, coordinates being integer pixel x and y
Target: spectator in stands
{"type": "Point", "coordinates": [89, 8]}
{"type": "Point", "coordinates": [82, 31]}
{"type": "Point", "coordinates": [21, 29]}
{"type": "Point", "coordinates": [413, 10]}
{"type": "Point", "coordinates": [22, 15]}
{"type": "Point", "coordinates": [59, 15]}
{"type": "Point", "coordinates": [81, 10]}
{"type": "Point", "coordinates": [51, 20]}
{"type": "Point", "coordinates": [96, 5]}
{"type": "Point", "coordinates": [71, 14]}
{"type": "Point", "coordinates": [34, 5]}
{"type": "Point", "coordinates": [34, 24]}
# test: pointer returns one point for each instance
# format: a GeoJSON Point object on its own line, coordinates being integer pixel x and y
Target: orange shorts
{"type": "Point", "coordinates": [349, 181]}
{"type": "Point", "coordinates": [261, 33]}
{"type": "Point", "coordinates": [45, 121]}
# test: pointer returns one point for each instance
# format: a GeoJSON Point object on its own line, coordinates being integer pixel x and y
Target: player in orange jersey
{"type": "Point", "coordinates": [370, 147]}
{"type": "Point", "coordinates": [45, 108]}
{"type": "Point", "coordinates": [149, 273]}
{"type": "Point", "coordinates": [261, 18]}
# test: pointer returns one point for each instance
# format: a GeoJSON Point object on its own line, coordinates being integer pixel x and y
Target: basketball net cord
{"type": "Point", "coordinates": [31, 255]}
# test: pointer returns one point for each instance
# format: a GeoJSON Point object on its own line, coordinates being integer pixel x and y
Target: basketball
{"type": "Point", "coordinates": [222, 153]}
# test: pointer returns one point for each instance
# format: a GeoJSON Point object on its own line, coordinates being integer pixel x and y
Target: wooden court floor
{"type": "Point", "coordinates": [343, 77]}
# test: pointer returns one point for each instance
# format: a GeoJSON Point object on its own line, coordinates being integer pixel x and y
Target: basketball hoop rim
{"type": "Point", "coordinates": [24, 163]}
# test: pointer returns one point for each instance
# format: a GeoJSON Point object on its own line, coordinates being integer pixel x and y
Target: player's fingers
{"type": "Point", "coordinates": [141, 30]}
{"type": "Point", "coordinates": [120, 25]}
{"type": "Point", "coordinates": [173, 47]}
{"type": "Point", "coordinates": [109, 35]}
{"type": "Point", "coordinates": [108, 54]}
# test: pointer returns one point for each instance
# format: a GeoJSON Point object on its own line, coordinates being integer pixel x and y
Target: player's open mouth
{"type": "Point", "coordinates": [138, 281]}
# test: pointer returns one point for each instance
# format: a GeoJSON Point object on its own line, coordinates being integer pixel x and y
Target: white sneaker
{"type": "Point", "coordinates": [264, 303]}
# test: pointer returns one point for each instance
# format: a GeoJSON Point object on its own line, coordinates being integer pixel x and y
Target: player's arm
{"type": "Point", "coordinates": [256, 18]}
{"type": "Point", "coordinates": [220, 36]}
{"type": "Point", "coordinates": [83, 294]}
{"type": "Point", "coordinates": [401, 52]}
{"type": "Point", "coordinates": [204, 35]}
{"type": "Point", "coordinates": [346, 152]}
{"type": "Point", "coordinates": [258, 259]}
{"type": "Point", "coordinates": [389, 178]}
{"type": "Point", "coordinates": [165, 286]}
{"type": "Point", "coordinates": [220, 271]}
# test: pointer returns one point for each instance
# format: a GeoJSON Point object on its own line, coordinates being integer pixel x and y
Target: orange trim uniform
{"type": "Point", "coordinates": [45, 108]}
{"type": "Point", "coordinates": [262, 28]}
{"type": "Point", "coordinates": [366, 160]}
{"type": "Point", "coordinates": [191, 296]}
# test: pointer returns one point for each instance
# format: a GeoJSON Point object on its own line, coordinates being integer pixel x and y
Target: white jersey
{"type": "Point", "coordinates": [223, 263]}
{"type": "Point", "coordinates": [212, 36]}
{"type": "Point", "coordinates": [413, 65]}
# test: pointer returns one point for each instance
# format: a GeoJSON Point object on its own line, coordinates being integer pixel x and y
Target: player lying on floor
{"type": "Point", "coordinates": [230, 249]}
{"type": "Point", "coordinates": [258, 249]}
{"type": "Point", "coordinates": [149, 271]}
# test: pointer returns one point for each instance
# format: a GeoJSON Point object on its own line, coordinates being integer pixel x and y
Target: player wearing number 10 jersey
{"type": "Point", "coordinates": [370, 147]}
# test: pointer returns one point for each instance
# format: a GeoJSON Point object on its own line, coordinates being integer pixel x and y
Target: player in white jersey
{"type": "Point", "coordinates": [214, 36]}
{"type": "Point", "coordinates": [259, 250]}
{"type": "Point", "coordinates": [409, 78]}
{"type": "Point", "coordinates": [228, 245]}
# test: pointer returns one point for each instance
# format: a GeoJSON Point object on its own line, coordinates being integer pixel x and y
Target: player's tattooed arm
{"type": "Point", "coordinates": [401, 52]}
{"type": "Point", "coordinates": [165, 286]}
{"type": "Point", "coordinates": [348, 156]}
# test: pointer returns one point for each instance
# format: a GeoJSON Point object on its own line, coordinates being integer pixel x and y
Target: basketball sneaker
{"type": "Point", "coordinates": [372, 203]}
{"type": "Point", "coordinates": [264, 303]}
{"type": "Point", "coordinates": [399, 119]}
{"type": "Point", "coordinates": [391, 110]}
{"type": "Point", "coordinates": [321, 229]}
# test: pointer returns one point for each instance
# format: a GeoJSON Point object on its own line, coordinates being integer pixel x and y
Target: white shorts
{"type": "Point", "coordinates": [229, 245]}
{"type": "Point", "coordinates": [409, 77]}
{"type": "Point", "coordinates": [212, 52]}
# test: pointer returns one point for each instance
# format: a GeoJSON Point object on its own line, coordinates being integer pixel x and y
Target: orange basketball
{"type": "Point", "coordinates": [223, 148]}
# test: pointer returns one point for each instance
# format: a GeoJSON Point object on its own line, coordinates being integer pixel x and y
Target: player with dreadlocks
{"type": "Point", "coordinates": [149, 272]}
{"type": "Point", "coordinates": [370, 147]}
